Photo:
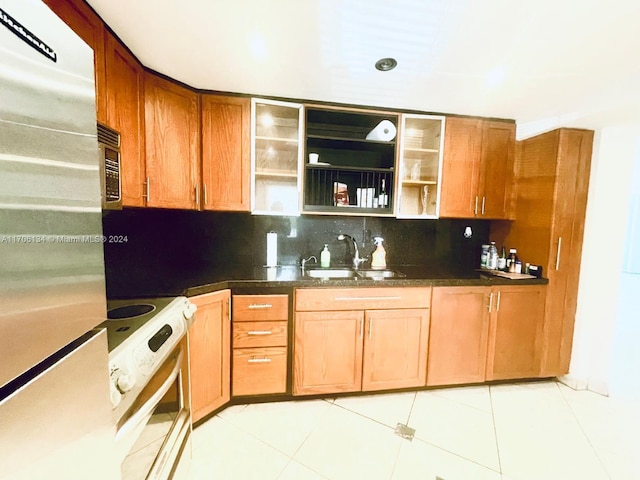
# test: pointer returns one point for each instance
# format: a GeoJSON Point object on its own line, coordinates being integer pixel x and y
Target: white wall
{"type": "Point", "coordinates": [601, 309]}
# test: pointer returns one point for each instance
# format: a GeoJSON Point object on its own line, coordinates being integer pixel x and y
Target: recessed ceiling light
{"type": "Point", "coordinates": [386, 64]}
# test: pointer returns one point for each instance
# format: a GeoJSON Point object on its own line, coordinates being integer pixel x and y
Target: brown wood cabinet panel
{"type": "Point", "coordinates": [395, 349]}
{"type": "Point", "coordinates": [458, 335]}
{"type": "Point", "coordinates": [250, 308]}
{"type": "Point", "coordinates": [514, 332]}
{"type": "Point", "coordinates": [210, 352]}
{"type": "Point", "coordinates": [88, 26]}
{"type": "Point", "coordinates": [259, 334]}
{"type": "Point", "coordinates": [372, 298]}
{"type": "Point", "coordinates": [498, 151]}
{"type": "Point", "coordinates": [125, 113]}
{"type": "Point", "coordinates": [226, 153]}
{"type": "Point", "coordinates": [172, 144]}
{"type": "Point", "coordinates": [259, 371]}
{"type": "Point", "coordinates": [460, 167]}
{"type": "Point", "coordinates": [327, 352]}
{"type": "Point", "coordinates": [477, 168]}
{"type": "Point", "coordinates": [552, 179]}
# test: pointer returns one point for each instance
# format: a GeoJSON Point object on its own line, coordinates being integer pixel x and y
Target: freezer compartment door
{"type": "Point", "coordinates": [58, 423]}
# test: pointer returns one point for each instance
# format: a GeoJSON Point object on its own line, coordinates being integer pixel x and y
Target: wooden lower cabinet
{"type": "Point", "coordinates": [350, 350]}
{"type": "Point", "coordinates": [515, 332]}
{"type": "Point", "coordinates": [458, 335]}
{"type": "Point", "coordinates": [327, 352]}
{"type": "Point", "coordinates": [210, 351]}
{"type": "Point", "coordinates": [260, 340]}
{"type": "Point", "coordinates": [485, 333]}
{"type": "Point", "coordinates": [395, 349]}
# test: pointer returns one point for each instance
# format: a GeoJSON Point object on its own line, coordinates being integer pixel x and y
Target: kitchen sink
{"type": "Point", "coordinates": [379, 274]}
{"type": "Point", "coordinates": [331, 273]}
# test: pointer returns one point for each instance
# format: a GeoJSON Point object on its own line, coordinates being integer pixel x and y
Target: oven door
{"type": "Point", "coordinates": [154, 436]}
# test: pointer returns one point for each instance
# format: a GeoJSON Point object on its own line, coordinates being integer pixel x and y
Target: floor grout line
{"type": "Point", "coordinates": [586, 436]}
{"type": "Point", "coordinates": [495, 431]}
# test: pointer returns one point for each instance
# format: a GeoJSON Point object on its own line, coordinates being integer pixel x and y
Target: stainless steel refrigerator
{"type": "Point", "coordinates": [55, 413]}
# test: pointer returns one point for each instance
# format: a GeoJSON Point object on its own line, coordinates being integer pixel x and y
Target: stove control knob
{"type": "Point", "coordinates": [125, 382]}
{"type": "Point", "coordinates": [189, 311]}
{"type": "Point", "coordinates": [115, 395]}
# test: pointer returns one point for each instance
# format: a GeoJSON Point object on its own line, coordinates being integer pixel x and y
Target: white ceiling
{"type": "Point", "coordinates": [544, 63]}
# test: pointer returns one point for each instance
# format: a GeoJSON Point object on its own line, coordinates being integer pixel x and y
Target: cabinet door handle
{"type": "Point", "coordinates": [490, 301]}
{"type": "Point", "coordinates": [346, 299]}
{"type": "Point", "coordinates": [483, 199]}
{"type": "Point", "coordinates": [558, 255]}
{"type": "Point", "coordinates": [255, 306]}
{"type": "Point", "coordinates": [370, 328]}
{"type": "Point", "coordinates": [197, 196]}
{"type": "Point", "coordinates": [146, 188]}
{"type": "Point", "coordinates": [361, 327]}
{"type": "Point", "coordinates": [259, 360]}
{"type": "Point", "coordinates": [204, 194]}
{"type": "Point", "coordinates": [475, 209]}
{"type": "Point", "coordinates": [259, 332]}
{"type": "Point", "coordinates": [498, 301]}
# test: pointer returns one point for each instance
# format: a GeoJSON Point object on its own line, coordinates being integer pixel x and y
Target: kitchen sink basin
{"type": "Point", "coordinates": [331, 273]}
{"type": "Point", "coordinates": [379, 274]}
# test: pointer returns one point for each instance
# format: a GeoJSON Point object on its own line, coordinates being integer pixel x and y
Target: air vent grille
{"type": "Point", "coordinates": [108, 136]}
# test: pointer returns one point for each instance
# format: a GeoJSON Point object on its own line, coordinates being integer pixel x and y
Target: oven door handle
{"type": "Point", "coordinates": [144, 412]}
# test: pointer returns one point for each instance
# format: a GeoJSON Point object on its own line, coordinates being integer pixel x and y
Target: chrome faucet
{"type": "Point", "coordinates": [356, 254]}
{"type": "Point", "coordinates": [304, 261]}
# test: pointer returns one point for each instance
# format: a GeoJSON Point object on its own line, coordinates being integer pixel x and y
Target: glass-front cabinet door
{"type": "Point", "coordinates": [420, 166]}
{"type": "Point", "coordinates": [275, 157]}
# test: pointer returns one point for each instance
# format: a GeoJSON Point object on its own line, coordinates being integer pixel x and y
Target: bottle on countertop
{"type": "Point", "coordinates": [492, 261]}
{"type": "Point", "coordinates": [511, 261]}
{"type": "Point", "coordinates": [502, 259]}
{"type": "Point", "coordinates": [325, 256]}
{"type": "Point", "coordinates": [379, 256]}
{"type": "Point", "coordinates": [484, 256]}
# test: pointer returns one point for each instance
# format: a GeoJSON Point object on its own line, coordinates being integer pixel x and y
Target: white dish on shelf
{"type": "Point", "coordinates": [319, 163]}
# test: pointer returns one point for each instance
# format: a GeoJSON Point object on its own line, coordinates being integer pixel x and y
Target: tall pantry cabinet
{"type": "Point", "coordinates": [552, 178]}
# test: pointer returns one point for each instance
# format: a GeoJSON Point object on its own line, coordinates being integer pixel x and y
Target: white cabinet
{"type": "Point", "coordinates": [276, 136]}
{"type": "Point", "coordinates": [420, 166]}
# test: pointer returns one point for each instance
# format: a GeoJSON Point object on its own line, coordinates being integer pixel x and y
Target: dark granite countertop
{"type": "Point", "coordinates": [291, 276]}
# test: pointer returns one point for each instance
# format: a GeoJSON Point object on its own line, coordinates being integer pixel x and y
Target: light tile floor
{"type": "Point", "coordinates": [525, 431]}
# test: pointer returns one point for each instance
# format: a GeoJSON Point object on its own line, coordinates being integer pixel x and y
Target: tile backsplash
{"type": "Point", "coordinates": [168, 242]}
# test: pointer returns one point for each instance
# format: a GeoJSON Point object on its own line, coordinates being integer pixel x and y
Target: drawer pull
{"type": "Point", "coordinates": [259, 332]}
{"type": "Point", "coordinates": [259, 360]}
{"type": "Point", "coordinates": [254, 306]}
{"type": "Point", "coordinates": [346, 299]}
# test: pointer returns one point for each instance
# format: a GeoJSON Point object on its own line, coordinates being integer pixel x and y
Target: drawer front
{"type": "Point", "coordinates": [260, 334]}
{"type": "Point", "coordinates": [259, 371]}
{"type": "Point", "coordinates": [376, 298]}
{"type": "Point", "coordinates": [249, 308]}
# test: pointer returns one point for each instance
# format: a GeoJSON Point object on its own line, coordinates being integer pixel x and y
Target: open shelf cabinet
{"type": "Point", "coordinates": [353, 173]}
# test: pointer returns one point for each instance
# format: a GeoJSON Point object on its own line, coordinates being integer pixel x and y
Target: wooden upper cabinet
{"type": "Point", "coordinates": [125, 113]}
{"type": "Point", "coordinates": [172, 144]}
{"type": "Point", "coordinates": [458, 335]}
{"type": "Point", "coordinates": [210, 353]}
{"type": "Point", "coordinates": [460, 167]}
{"type": "Point", "coordinates": [498, 152]}
{"type": "Point", "coordinates": [88, 26]}
{"type": "Point", "coordinates": [477, 169]}
{"type": "Point", "coordinates": [226, 153]}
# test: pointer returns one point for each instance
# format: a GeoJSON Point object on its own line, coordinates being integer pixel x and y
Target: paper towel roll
{"type": "Point", "coordinates": [385, 131]}
{"type": "Point", "coordinates": [272, 249]}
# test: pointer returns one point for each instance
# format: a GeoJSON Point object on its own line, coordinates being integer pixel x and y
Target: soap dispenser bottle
{"type": "Point", "coordinates": [325, 256]}
{"type": "Point", "coordinates": [379, 257]}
